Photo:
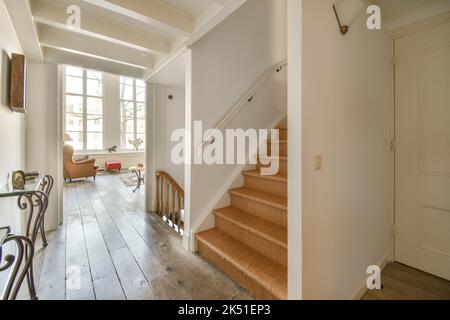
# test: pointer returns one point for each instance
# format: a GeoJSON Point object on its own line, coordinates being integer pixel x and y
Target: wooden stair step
{"type": "Point", "coordinates": [255, 225]}
{"type": "Point", "coordinates": [276, 184]}
{"type": "Point", "coordinates": [280, 158]}
{"type": "Point", "coordinates": [282, 163]}
{"type": "Point", "coordinates": [282, 147]}
{"type": "Point", "coordinates": [266, 237]}
{"type": "Point", "coordinates": [283, 133]}
{"type": "Point", "coordinates": [264, 205]}
{"type": "Point", "coordinates": [263, 277]}
{"type": "Point", "coordinates": [265, 198]}
{"type": "Point", "coordinates": [280, 177]}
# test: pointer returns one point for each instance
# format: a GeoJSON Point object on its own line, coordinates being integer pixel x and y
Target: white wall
{"type": "Point", "coordinates": [163, 117]}
{"type": "Point", "coordinates": [44, 145]}
{"type": "Point", "coordinates": [294, 19]}
{"type": "Point", "coordinates": [169, 117]}
{"type": "Point", "coordinates": [111, 113]}
{"type": "Point", "coordinates": [12, 130]}
{"type": "Point", "coordinates": [12, 125]}
{"type": "Point", "coordinates": [347, 206]}
{"type": "Point", "coordinates": [224, 65]}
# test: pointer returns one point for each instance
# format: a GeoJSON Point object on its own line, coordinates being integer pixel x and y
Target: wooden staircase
{"type": "Point", "coordinates": [249, 241]}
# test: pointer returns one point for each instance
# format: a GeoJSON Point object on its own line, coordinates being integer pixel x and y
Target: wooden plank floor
{"type": "Point", "coordinates": [109, 248]}
{"type": "Point", "coordinates": [404, 283]}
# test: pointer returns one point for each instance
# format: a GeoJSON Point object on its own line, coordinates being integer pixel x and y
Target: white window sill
{"type": "Point", "coordinates": [103, 153]}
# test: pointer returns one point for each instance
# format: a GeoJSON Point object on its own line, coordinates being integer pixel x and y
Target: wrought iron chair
{"type": "Point", "coordinates": [46, 187]}
{"type": "Point", "coordinates": [20, 264]}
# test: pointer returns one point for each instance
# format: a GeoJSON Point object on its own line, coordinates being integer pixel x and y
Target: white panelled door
{"type": "Point", "coordinates": [423, 150]}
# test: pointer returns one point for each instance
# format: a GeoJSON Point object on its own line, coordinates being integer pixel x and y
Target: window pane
{"type": "Point", "coordinates": [77, 142]}
{"type": "Point", "coordinates": [140, 126]}
{"type": "Point", "coordinates": [94, 141]}
{"type": "Point", "coordinates": [127, 125]}
{"type": "Point", "coordinates": [125, 141]}
{"type": "Point", "coordinates": [126, 92]}
{"type": "Point", "coordinates": [140, 110]}
{"type": "Point", "coordinates": [126, 80]}
{"type": "Point", "coordinates": [74, 104]}
{"type": "Point", "coordinates": [141, 136]}
{"type": "Point", "coordinates": [74, 85]}
{"type": "Point", "coordinates": [94, 106]}
{"type": "Point", "coordinates": [94, 123]}
{"type": "Point", "coordinates": [94, 88]}
{"type": "Point", "coordinates": [74, 122]}
{"type": "Point", "coordinates": [74, 71]}
{"type": "Point", "coordinates": [140, 83]}
{"type": "Point", "coordinates": [140, 94]}
{"type": "Point", "coordinates": [96, 75]}
{"type": "Point", "coordinates": [127, 109]}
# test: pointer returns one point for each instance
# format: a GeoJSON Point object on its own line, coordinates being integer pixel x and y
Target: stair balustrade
{"type": "Point", "coordinates": [170, 201]}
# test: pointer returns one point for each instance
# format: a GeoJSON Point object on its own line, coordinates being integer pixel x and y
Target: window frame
{"type": "Point", "coordinates": [135, 103]}
{"type": "Point", "coordinates": [85, 114]}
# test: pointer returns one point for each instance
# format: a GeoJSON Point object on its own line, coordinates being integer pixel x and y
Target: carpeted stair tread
{"type": "Point", "coordinates": [263, 228]}
{"type": "Point", "coordinates": [265, 272]}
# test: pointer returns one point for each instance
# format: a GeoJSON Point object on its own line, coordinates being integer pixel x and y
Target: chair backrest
{"type": "Point", "coordinates": [68, 154]}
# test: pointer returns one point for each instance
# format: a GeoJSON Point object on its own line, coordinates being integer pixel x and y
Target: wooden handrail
{"type": "Point", "coordinates": [170, 201]}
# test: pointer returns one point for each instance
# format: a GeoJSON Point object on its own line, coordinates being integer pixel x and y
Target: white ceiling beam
{"type": "Point", "coordinates": [208, 11]}
{"type": "Point", "coordinates": [74, 42]}
{"type": "Point", "coordinates": [70, 58]}
{"type": "Point", "coordinates": [54, 14]}
{"type": "Point", "coordinates": [215, 20]}
{"type": "Point", "coordinates": [22, 20]}
{"type": "Point", "coordinates": [223, 3]}
{"type": "Point", "coordinates": [151, 13]}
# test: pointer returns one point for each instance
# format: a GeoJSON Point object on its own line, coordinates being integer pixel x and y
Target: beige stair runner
{"type": "Point", "coordinates": [249, 241]}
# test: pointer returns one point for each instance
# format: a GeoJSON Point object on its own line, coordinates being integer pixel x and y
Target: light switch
{"type": "Point", "coordinates": [317, 163]}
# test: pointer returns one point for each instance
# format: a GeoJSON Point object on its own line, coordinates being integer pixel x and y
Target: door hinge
{"type": "Point", "coordinates": [393, 232]}
{"type": "Point", "coordinates": [393, 145]}
{"type": "Point", "coordinates": [394, 61]}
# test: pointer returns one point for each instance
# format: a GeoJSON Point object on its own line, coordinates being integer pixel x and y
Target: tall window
{"type": "Point", "coordinates": [132, 112]}
{"type": "Point", "coordinates": [84, 108]}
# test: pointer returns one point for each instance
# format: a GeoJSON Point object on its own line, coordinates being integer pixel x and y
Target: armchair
{"type": "Point", "coordinates": [74, 169]}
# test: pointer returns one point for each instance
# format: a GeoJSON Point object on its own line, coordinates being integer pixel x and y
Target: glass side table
{"type": "Point", "coordinates": [140, 175]}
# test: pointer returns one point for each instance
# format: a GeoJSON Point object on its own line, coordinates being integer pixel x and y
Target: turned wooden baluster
{"type": "Point", "coordinates": [169, 209]}
{"type": "Point", "coordinates": [167, 201]}
{"type": "Point", "coordinates": [179, 213]}
{"type": "Point", "coordinates": [162, 198]}
{"type": "Point", "coordinates": [173, 208]}
{"type": "Point", "coordinates": [158, 207]}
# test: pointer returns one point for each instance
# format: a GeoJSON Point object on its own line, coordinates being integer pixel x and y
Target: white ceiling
{"type": "Point", "coordinates": [174, 74]}
{"type": "Point", "coordinates": [132, 37]}
{"type": "Point", "coordinates": [193, 7]}
{"type": "Point", "coordinates": [393, 9]}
